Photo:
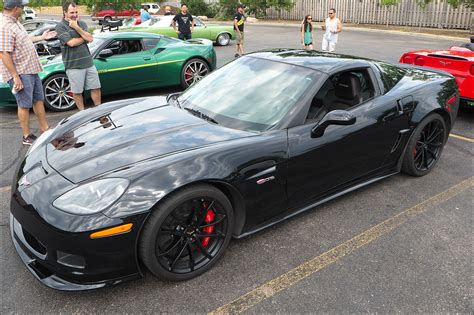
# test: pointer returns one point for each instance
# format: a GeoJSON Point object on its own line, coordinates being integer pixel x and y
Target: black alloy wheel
{"type": "Point", "coordinates": [425, 147]}
{"type": "Point", "coordinates": [187, 233]}
{"type": "Point", "coordinates": [223, 39]}
{"type": "Point", "coordinates": [57, 93]}
{"type": "Point", "coordinates": [193, 71]}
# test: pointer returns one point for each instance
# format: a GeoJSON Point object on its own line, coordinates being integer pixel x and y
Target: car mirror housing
{"type": "Point", "coordinates": [335, 117]}
{"type": "Point", "coordinates": [106, 53]}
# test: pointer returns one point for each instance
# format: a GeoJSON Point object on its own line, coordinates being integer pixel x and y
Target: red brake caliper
{"type": "Point", "coordinates": [210, 215]}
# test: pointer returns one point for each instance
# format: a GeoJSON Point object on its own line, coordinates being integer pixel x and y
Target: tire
{"type": "Point", "coordinates": [173, 244]}
{"type": "Point", "coordinates": [107, 19]}
{"type": "Point", "coordinates": [57, 93]}
{"type": "Point", "coordinates": [223, 39]}
{"type": "Point", "coordinates": [425, 146]}
{"type": "Point", "coordinates": [193, 71]}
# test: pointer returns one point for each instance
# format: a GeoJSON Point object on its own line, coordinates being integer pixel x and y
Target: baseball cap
{"type": "Point", "coordinates": [10, 4]}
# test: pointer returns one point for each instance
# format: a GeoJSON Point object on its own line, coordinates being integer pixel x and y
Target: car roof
{"type": "Point", "coordinates": [317, 60]}
{"type": "Point", "coordinates": [137, 35]}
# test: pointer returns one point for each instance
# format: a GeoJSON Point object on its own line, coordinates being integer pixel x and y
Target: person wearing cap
{"type": "Point", "coordinates": [144, 15]}
{"type": "Point", "coordinates": [77, 59]}
{"type": "Point", "coordinates": [239, 20]}
{"type": "Point", "coordinates": [20, 67]}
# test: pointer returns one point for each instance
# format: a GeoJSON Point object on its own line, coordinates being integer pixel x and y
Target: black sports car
{"type": "Point", "coordinates": [164, 183]}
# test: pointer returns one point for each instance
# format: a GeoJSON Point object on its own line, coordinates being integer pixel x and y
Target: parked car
{"type": "Point", "coordinates": [221, 34]}
{"type": "Point", "coordinates": [165, 183]}
{"type": "Point", "coordinates": [128, 62]}
{"type": "Point", "coordinates": [110, 14]}
{"type": "Point", "coordinates": [153, 7]}
{"type": "Point", "coordinates": [459, 61]}
{"type": "Point", "coordinates": [32, 25]}
{"type": "Point", "coordinates": [29, 13]}
{"type": "Point", "coordinates": [46, 47]}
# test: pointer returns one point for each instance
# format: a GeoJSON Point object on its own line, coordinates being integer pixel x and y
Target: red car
{"type": "Point", "coordinates": [459, 61]}
{"type": "Point", "coordinates": [110, 14]}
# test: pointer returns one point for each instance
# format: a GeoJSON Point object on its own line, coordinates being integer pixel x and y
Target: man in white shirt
{"type": "Point", "coordinates": [332, 26]}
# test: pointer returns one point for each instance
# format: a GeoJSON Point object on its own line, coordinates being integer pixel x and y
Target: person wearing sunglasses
{"type": "Point", "coordinates": [307, 32]}
{"type": "Point", "coordinates": [332, 26]}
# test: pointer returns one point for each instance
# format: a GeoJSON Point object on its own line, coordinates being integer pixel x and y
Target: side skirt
{"type": "Point", "coordinates": [311, 206]}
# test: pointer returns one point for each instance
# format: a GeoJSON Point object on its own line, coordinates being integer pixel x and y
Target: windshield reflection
{"type": "Point", "coordinates": [250, 93]}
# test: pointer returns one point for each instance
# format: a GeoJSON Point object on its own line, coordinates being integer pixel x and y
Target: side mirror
{"type": "Point", "coordinates": [335, 117]}
{"type": "Point", "coordinates": [106, 53]}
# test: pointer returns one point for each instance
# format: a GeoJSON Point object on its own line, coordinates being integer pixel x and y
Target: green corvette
{"type": "Point", "coordinates": [220, 34]}
{"type": "Point", "coordinates": [127, 62]}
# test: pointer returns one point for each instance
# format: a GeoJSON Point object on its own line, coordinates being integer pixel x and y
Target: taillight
{"type": "Point", "coordinates": [408, 59]}
{"type": "Point", "coordinates": [472, 69]}
{"type": "Point", "coordinates": [419, 61]}
{"type": "Point", "coordinates": [450, 102]}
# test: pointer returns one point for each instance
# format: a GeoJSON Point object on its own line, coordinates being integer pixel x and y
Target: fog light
{"type": "Point", "coordinates": [70, 260]}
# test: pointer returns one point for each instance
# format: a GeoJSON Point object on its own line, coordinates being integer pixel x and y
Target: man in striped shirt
{"type": "Point", "coordinates": [77, 59]}
{"type": "Point", "coordinates": [20, 67]}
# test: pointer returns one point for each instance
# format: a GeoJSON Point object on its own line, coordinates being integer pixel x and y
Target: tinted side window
{"type": "Point", "coordinates": [150, 43]}
{"type": "Point", "coordinates": [389, 74]}
{"type": "Point", "coordinates": [126, 46]}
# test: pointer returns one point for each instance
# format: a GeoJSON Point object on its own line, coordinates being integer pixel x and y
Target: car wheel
{"type": "Point", "coordinates": [193, 71]}
{"type": "Point", "coordinates": [57, 93]}
{"type": "Point", "coordinates": [223, 39]}
{"type": "Point", "coordinates": [187, 233]}
{"type": "Point", "coordinates": [107, 19]}
{"type": "Point", "coordinates": [425, 146]}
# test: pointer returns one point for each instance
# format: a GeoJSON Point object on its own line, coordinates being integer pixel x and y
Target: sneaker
{"type": "Point", "coordinates": [29, 139]}
{"type": "Point", "coordinates": [236, 55]}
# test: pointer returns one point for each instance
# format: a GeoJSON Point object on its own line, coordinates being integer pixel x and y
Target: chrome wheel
{"type": "Point", "coordinates": [57, 93]}
{"type": "Point", "coordinates": [223, 39]}
{"type": "Point", "coordinates": [193, 71]}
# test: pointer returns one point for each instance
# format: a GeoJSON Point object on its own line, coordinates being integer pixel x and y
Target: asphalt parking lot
{"type": "Point", "coordinates": [401, 245]}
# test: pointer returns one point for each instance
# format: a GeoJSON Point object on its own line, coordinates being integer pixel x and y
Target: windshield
{"type": "Point", "coordinates": [96, 43]}
{"type": "Point", "coordinates": [250, 93]}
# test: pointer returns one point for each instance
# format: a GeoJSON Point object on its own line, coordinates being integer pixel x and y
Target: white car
{"type": "Point", "coordinates": [153, 7]}
{"type": "Point", "coordinates": [29, 13]}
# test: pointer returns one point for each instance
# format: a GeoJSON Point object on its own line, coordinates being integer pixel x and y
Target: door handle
{"type": "Point", "coordinates": [147, 58]}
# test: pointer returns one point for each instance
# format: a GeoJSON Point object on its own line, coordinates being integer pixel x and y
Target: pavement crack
{"type": "Point", "coordinates": [12, 163]}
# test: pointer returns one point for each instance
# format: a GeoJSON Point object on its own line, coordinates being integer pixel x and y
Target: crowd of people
{"type": "Point", "coordinates": [21, 65]}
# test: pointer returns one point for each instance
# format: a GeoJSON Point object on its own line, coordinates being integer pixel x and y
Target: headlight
{"type": "Point", "coordinates": [41, 139]}
{"type": "Point", "coordinates": [92, 197]}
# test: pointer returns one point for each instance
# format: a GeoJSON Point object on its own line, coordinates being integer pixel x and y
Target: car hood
{"type": "Point", "coordinates": [111, 137]}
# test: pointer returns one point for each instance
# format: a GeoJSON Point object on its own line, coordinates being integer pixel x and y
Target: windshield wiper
{"type": "Point", "coordinates": [197, 113]}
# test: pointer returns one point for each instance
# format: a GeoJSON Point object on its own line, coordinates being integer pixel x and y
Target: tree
{"type": "Point", "coordinates": [257, 7]}
{"type": "Point", "coordinates": [117, 5]}
{"type": "Point", "coordinates": [280, 5]}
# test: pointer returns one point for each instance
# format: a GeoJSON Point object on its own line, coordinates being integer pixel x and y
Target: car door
{"type": "Point", "coordinates": [343, 155]}
{"type": "Point", "coordinates": [200, 29]}
{"type": "Point", "coordinates": [129, 68]}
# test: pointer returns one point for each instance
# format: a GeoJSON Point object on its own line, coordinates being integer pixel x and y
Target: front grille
{"type": "Point", "coordinates": [34, 243]}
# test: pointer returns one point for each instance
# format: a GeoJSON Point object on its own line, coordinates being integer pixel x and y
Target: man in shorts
{"type": "Point", "coordinates": [77, 59]}
{"type": "Point", "coordinates": [239, 20]}
{"type": "Point", "coordinates": [20, 67]}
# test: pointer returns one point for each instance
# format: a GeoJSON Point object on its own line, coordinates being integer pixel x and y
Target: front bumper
{"type": "Point", "coordinates": [71, 261]}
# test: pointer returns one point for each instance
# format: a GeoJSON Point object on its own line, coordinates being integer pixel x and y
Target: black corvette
{"type": "Point", "coordinates": [164, 183]}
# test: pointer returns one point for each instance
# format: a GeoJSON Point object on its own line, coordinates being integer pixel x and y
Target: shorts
{"type": "Point", "coordinates": [32, 90]}
{"type": "Point", "coordinates": [328, 45]}
{"type": "Point", "coordinates": [240, 39]}
{"type": "Point", "coordinates": [184, 36]}
{"type": "Point", "coordinates": [83, 79]}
